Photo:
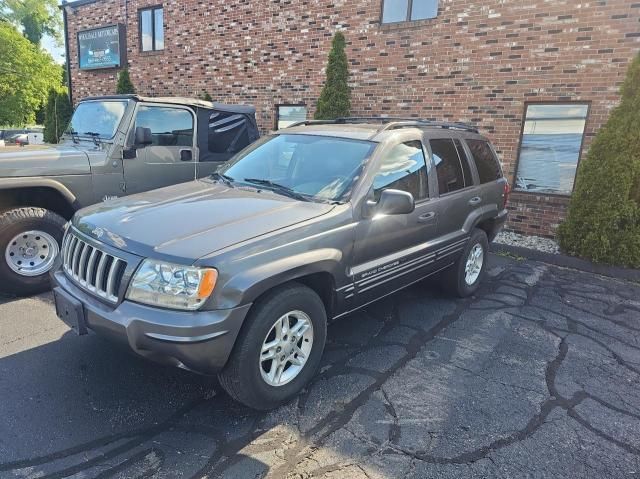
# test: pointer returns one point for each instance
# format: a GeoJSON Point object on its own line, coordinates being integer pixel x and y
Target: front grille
{"type": "Point", "coordinates": [91, 268]}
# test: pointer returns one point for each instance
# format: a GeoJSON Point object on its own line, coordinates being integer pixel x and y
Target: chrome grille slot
{"type": "Point", "coordinates": [91, 268]}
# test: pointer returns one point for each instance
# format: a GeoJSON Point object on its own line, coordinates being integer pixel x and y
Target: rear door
{"type": "Point", "coordinates": [392, 251]}
{"type": "Point", "coordinates": [171, 158]}
{"type": "Point", "coordinates": [457, 195]}
{"type": "Point", "coordinates": [491, 187]}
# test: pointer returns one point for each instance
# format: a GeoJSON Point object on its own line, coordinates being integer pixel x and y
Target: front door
{"type": "Point", "coordinates": [171, 157]}
{"type": "Point", "coordinates": [393, 251]}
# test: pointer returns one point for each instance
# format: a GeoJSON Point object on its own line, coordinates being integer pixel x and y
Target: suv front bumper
{"type": "Point", "coordinates": [200, 341]}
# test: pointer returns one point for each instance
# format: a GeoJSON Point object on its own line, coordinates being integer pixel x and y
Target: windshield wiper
{"type": "Point", "coordinates": [94, 135]}
{"type": "Point", "coordinates": [227, 180]}
{"type": "Point", "coordinates": [74, 135]}
{"type": "Point", "coordinates": [285, 190]}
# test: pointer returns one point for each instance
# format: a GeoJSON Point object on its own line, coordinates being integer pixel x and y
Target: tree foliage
{"type": "Point", "coordinates": [603, 222]}
{"type": "Point", "coordinates": [26, 76]}
{"type": "Point", "coordinates": [57, 115]}
{"type": "Point", "coordinates": [34, 17]}
{"type": "Point", "coordinates": [205, 96]}
{"type": "Point", "coordinates": [335, 98]}
{"type": "Point", "coordinates": [125, 85]}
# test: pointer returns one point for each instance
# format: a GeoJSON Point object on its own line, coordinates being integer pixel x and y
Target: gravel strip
{"type": "Point", "coordinates": [545, 245]}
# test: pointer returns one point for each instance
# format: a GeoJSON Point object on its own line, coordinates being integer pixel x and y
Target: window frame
{"type": "Point", "coordinates": [517, 162]}
{"type": "Point", "coordinates": [194, 118]}
{"type": "Point", "coordinates": [460, 160]}
{"type": "Point", "coordinates": [152, 9]}
{"type": "Point", "coordinates": [408, 19]}
{"type": "Point", "coordinates": [426, 156]}
{"type": "Point", "coordinates": [277, 115]}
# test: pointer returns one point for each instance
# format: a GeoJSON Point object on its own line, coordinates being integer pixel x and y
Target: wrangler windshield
{"type": "Point", "coordinates": [320, 167]}
{"type": "Point", "coordinates": [98, 119]}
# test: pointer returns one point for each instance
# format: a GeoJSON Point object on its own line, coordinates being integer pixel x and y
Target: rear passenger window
{"type": "Point", "coordinates": [403, 168]}
{"type": "Point", "coordinates": [228, 132]}
{"type": "Point", "coordinates": [486, 162]}
{"type": "Point", "coordinates": [449, 167]}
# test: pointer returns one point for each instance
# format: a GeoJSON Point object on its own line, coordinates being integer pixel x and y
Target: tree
{"type": "Point", "coordinates": [335, 98]}
{"type": "Point", "coordinates": [205, 96]}
{"type": "Point", "coordinates": [26, 76]}
{"type": "Point", "coordinates": [125, 85]}
{"type": "Point", "coordinates": [603, 221]}
{"type": "Point", "coordinates": [58, 113]}
{"type": "Point", "coordinates": [35, 17]}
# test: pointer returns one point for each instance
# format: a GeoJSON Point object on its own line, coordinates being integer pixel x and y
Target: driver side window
{"type": "Point", "coordinates": [403, 168]}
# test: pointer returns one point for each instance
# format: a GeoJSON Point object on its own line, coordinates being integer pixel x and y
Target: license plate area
{"type": "Point", "coordinates": [70, 310]}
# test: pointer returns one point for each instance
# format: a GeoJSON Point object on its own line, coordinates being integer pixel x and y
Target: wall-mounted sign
{"type": "Point", "coordinates": [102, 47]}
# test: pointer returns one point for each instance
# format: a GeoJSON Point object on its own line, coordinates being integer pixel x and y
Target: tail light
{"type": "Point", "coordinates": [505, 194]}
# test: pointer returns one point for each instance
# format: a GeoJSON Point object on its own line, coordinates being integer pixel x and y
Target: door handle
{"type": "Point", "coordinates": [186, 155]}
{"type": "Point", "coordinates": [426, 217]}
{"type": "Point", "coordinates": [475, 200]}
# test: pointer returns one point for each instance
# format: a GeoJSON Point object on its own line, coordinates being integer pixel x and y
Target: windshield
{"type": "Point", "coordinates": [98, 119]}
{"type": "Point", "coordinates": [321, 167]}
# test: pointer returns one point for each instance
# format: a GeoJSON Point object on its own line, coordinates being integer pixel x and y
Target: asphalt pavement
{"type": "Point", "coordinates": [536, 376]}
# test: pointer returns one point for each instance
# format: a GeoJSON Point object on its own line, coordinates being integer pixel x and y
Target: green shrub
{"type": "Point", "coordinates": [205, 96]}
{"type": "Point", "coordinates": [603, 221]}
{"type": "Point", "coordinates": [335, 98]}
{"type": "Point", "coordinates": [57, 114]}
{"type": "Point", "coordinates": [125, 85]}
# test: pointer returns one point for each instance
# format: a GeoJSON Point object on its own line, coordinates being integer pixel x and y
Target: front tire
{"type": "Point", "coordinates": [463, 278]}
{"type": "Point", "coordinates": [279, 348]}
{"type": "Point", "coordinates": [30, 240]}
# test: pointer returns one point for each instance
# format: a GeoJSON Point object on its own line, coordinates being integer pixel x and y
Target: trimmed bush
{"type": "Point", "coordinates": [57, 114]}
{"type": "Point", "coordinates": [603, 221]}
{"type": "Point", "coordinates": [335, 98]}
{"type": "Point", "coordinates": [125, 85]}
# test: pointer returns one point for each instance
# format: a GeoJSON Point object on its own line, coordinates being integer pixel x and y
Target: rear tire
{"type": "Point", "coordinates": [30, 239]}
{"type": "Point", "coordinates": [463, 278]}
{"type": "Point", "coordinates": [246, 375]}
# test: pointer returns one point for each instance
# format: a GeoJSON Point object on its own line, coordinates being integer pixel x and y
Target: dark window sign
{"type": "Point", "coordinates": [102, 47]}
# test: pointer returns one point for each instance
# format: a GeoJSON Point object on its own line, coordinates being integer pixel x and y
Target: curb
{"type": "Point", "coordinates": [565, 261]}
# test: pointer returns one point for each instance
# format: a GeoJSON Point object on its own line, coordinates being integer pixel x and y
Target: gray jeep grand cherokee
{"type": "Point", "coordinates": [238, 274]}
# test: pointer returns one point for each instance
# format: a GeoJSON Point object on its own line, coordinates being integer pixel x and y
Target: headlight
{"type": "Point", "coordinates": [172, 285]}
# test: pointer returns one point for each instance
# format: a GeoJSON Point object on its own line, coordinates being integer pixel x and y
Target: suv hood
{"type": "Point", "coordinates": [184, 222]}
{"type": "Point", "coordinates": [44, 161]}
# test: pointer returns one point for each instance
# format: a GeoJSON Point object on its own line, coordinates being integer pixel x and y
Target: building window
{"type": "Point", "coordinates": [289, 114]}
{"type": "Point", "coordinates": [394, 11]}
{"type": "Point", "coordinates": [550, 147]}
{"type": "Point", "coordinates": [152, 29]}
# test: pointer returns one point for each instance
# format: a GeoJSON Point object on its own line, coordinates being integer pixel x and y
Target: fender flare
{"type": "Point", "coordinates": [248, 285]}
{"type": "Point", "coordinates": [12, 183]}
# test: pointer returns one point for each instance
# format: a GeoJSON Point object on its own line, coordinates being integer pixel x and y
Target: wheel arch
{"type": "Point", "coordinates": [315, 269]}
{"type": "Point", "coordinates": [41, 193]}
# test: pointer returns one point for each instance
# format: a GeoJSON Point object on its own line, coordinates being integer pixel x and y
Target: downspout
{"type": "Point", "coordinates": [66, 50]}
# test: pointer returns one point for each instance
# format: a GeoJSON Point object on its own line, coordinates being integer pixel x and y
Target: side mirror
{"type": "Point", "coordinates": [392, 202]}
{"type": "Point", "coordinates": [142, 136]}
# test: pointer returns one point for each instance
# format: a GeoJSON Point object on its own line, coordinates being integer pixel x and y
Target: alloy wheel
{"type": "Point", "coordinates": [286, 348]}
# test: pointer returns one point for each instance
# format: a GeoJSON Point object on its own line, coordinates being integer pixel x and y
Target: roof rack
{"type": "Point", "coordinates": [390, 123]}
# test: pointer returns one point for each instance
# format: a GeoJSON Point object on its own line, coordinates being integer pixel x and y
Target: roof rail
{"type": "Point", "coordinates": [390, 123]}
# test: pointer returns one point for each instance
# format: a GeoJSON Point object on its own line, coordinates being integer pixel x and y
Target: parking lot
{"type": "Point", "coordinates": [537, 376]}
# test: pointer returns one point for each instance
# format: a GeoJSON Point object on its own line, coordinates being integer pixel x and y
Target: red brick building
{"type": "Point", "coordinates": [538, 77]}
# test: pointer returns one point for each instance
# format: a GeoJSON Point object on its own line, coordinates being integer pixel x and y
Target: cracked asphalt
{"type": "Point", "coordinates": [536, 376]}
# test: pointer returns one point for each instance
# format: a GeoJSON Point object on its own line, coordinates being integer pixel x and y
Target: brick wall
{"type": "Point", "coordinates": [478, 61]}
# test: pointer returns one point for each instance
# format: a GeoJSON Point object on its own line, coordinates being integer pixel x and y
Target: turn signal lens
{"type": "Point", "coordinates": [207, 283]}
